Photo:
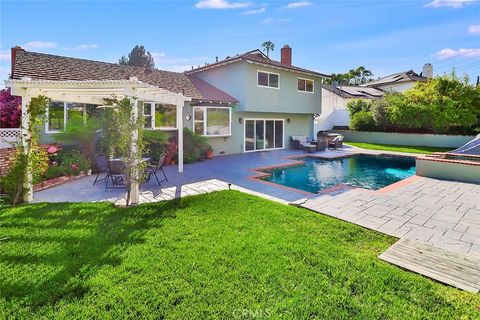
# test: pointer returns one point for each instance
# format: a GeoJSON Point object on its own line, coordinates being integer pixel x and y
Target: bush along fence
{"type": "Point", "coordinates": [443, 105]}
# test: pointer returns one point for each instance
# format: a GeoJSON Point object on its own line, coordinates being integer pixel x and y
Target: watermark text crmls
{"type": "Point", "coordinates": [245, 313]}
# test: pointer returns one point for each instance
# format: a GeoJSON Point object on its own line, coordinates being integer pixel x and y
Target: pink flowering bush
{"type": "Point", "coordinates": [10, 109]}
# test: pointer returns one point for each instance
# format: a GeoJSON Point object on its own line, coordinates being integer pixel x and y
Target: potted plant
{"type": "Point", "coordinates": [209, 152]}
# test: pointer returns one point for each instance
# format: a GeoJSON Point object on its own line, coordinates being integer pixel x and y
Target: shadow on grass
{"type": "Point", "coordinates": [50, 251]}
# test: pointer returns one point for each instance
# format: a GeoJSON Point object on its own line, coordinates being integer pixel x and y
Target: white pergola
{"type": "Point", "coordinates": [95, 92]}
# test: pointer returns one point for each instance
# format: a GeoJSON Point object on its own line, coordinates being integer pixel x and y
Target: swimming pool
{"type": "Point", "coordinates": [364, 171]}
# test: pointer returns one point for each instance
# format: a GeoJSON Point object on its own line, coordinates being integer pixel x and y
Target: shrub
{"type": "Point", "coordinates": [80, 133]}
{"type": "Point", "coordinates": [357, 105]}
{"type": "Point", "coordinates": [444, 104]}
{"type": "Point", "coordinates": [362, 121]}
{"type": "Point", "coordinates": [10, 109]}
{"type": "Point", "coordinates": [379, 113]}
{"type": "Point", "coordinates": [195, 146]}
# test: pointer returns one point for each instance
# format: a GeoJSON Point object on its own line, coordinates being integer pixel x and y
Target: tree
{"type": "Point", "coordinates": [268, 46]}
{"type": "Point", "coordinates": [138, 57]}
{"type": "Point", "coordinates": [357, 76]}
{"type": "Point", "coordinates": [10, 109]}
{"type": "Point", "coordinates": [444, 104]}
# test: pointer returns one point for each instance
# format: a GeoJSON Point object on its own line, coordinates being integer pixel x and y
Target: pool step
{"type": "Point", "coordinates": [448, 267]}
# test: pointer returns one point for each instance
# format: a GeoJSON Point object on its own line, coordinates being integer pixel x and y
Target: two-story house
{"type": "Point", "coordinates": [244, 103]}
{"type": "Point", "coordinates": [276, 100]}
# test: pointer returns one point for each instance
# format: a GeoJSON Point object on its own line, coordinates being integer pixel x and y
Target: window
{"type": "Point", "coordinates": [268, 79]}
{"type": "Point", "coordinates": [305, 85]}
{"type": "Point", "coordinates": [162, 116]}
{"type": "Point", "coordinates": [59, 112]}
{"type": "Point", "coordinates": [55, 117]}
{"type": "Point", "coordinates": [212, 121]}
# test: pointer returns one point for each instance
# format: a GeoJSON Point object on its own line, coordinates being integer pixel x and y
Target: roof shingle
{"type": "Point", "coordinates": [52, 67]}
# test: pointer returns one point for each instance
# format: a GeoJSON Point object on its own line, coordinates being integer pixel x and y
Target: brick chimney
{"type": "Point", "coordinates": [13, 57]}
{"type": "Point", "coordinates": [286, 55]}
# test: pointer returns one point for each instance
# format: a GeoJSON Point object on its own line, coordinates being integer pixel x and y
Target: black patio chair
{"type": "Point", "coordinates": [116, 175]}
{"type": "Point", "coordinates": [152, 169]}
{"type": "Point", "coordinates": [101, 163]}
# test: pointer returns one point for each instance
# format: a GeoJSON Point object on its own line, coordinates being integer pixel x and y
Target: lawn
{"type": "Point", "coordinates": [390, 147]}
{"type": "Point", "coordinates": [217, 255]}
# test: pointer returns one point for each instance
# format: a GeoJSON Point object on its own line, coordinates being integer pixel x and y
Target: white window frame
{"type": "Point", "coordinates": [264, 134]}
{"type": "Point", "coordinates": [268, 72]}
{"type": "Point", "coordinates": [47, 112]}
{"type": "Point", "coordinates": [205, 119]}
{"type": "Point", "coordinates": [152, 116]}
{"type": "Point", "coordinates": [305, 91]}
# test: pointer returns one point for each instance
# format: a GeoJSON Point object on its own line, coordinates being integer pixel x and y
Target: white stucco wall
{"type": "Point", "coordinates": [398, 87]}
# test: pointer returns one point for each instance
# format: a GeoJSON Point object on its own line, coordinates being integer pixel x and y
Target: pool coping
{"type": "Point", "coordinates": [259, 173]}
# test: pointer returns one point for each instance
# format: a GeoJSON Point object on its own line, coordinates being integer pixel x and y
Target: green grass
{"type": "Point", "coordinates": [211, 256]}
{"type": "Point", "coordinates": [390, 147]}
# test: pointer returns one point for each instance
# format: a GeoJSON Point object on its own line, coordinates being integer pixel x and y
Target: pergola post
{"type": "Point", "coordinates": [180, 134]}
{"type": "Point", "coordinates": [26, 136]}
{"type": "Point", "coordinates": [134, 186]}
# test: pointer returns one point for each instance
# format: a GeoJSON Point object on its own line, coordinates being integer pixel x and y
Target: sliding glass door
{"type": "Point", "coordinates": [263, 134]}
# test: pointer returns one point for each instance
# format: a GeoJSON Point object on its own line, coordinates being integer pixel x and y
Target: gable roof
{"type": "Point", "coordinates": [40, 66]}
{"type": "Point", "coordinates": [399, 77]}
{"type": "Point", "coordinates": [257, 57]}
{"type": "Point", "coordinates": [354, 92]}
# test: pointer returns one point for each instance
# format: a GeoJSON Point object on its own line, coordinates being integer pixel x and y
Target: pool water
{"type": "Point", "coordinates": [364, 171]}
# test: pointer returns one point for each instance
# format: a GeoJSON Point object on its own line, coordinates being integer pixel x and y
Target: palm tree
{"type": "Point", "coordinates": [268, 46]}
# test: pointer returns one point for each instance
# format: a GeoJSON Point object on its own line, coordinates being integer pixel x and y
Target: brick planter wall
{"type": "Point", "coordinates": [6, 160]}
{"type": "Point", "coordinates": [7, 156]}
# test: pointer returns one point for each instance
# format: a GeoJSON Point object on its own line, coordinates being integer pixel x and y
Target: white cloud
{"type": "Point", "coordinates": [298, 4]}
{"type": "Point", "coordinates": [39, 45]}
{"type": "Point", "coordinates": [451, 53]}
{"type": "Point", "coordinates": [274, 20]}
{"type": "Point", "coordinates": [157, 55]}
{"type": "Point", "coordinates": [221, 4]}
{"type": "Point", "coordinates": [4, 55]}
{"type": "Point", "coordinates": [474, 29]}
{"type": "Point", "coordinates": [254, 11]}
{"type": "Point", "coordinates": [176, 64]}
{"type": "Point", "coordinates": [82, 47]}
{"type": "Point", "coordinates": [448, 3]}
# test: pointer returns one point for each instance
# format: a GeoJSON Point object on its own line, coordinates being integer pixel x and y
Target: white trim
{"type": "Point", "coordinates": [313, 85]}
{"type": "Point", "coordinates": [264, 134]}
{"type": "Point", "coordinates": [205, 119]}
{"type": "Point", "coordinates": [268, 72]}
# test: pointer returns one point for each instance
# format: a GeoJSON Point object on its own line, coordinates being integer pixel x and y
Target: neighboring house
{"type": "Point", "coordinates": [334, 100]}
{"type": "Point", "coordinates": [334, 104]}
{"type": "Point", "coordinates": [399, 82]}
{"type": "Point", "coordinates": [242, 104]}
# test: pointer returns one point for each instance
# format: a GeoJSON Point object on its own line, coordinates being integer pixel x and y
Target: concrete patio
{"type": "Point", "coordinates": [234, 169]}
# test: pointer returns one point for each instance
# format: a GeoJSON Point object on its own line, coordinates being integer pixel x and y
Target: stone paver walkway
{"type": "Point", "coordinates": [445, 214]}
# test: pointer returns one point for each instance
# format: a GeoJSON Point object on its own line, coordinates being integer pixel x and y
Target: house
{"type": "Point", "coordinates": [244, 103]}
{"type": "Point", "coordinates": [335, 99]}
{"type": "Point", "coordinates": [276, 100]}
{"type": "Point", "coordinates": [334, 104]}
{"type": "Point", "coordinates": [399, 82]}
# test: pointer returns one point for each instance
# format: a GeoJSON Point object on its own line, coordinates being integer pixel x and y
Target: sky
{"type": "Point", "coordinates": [330, 36]}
